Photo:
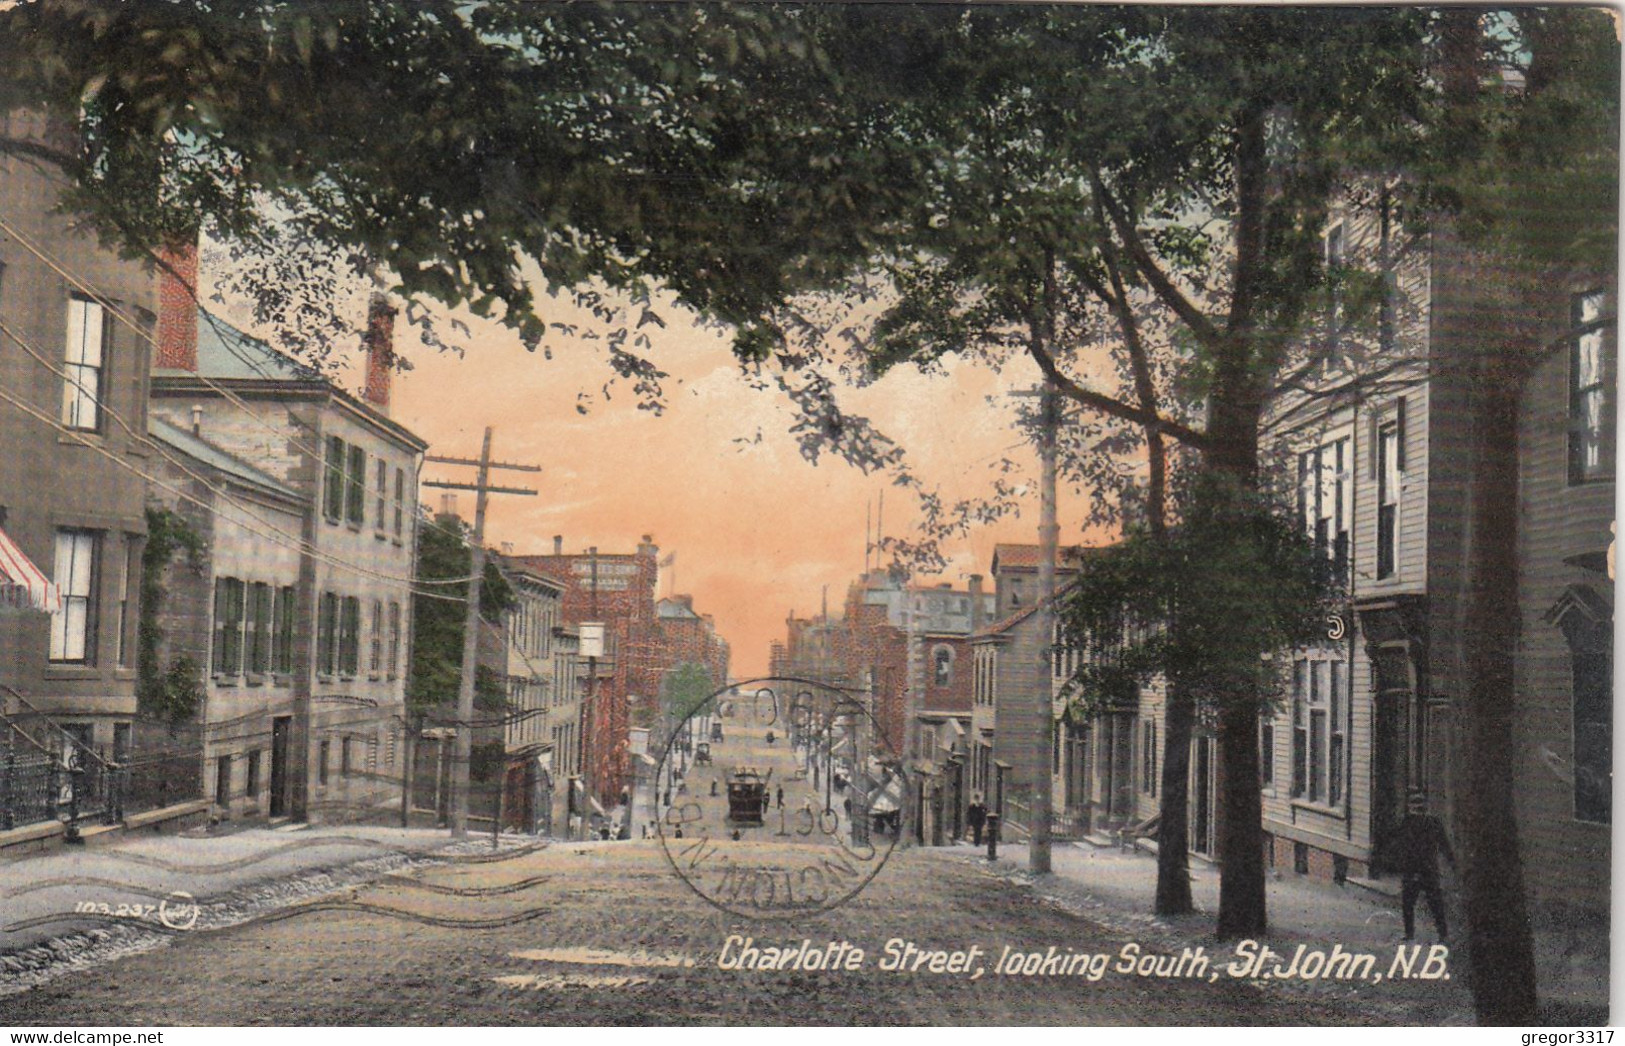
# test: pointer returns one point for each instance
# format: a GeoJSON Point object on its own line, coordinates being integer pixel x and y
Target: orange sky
{"type": "Point", "coordinates": [757, 530]}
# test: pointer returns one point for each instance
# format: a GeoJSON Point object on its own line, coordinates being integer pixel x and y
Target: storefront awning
{"type": "Point", "coordinates": [22, 584]}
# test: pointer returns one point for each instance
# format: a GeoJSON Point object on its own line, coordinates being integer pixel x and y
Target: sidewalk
{"type": "Point", "coordinates": [83, 905]}
{"type": "Point", "coordinates": [1118, 889]}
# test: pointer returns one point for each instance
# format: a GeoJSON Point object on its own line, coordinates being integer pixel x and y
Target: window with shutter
{"type": "Point", "coordinates": [333, 480]}
{"type": "Point", "coordinates": [326, 634]}
{"type": "Point", "coordinates": [355, 497]}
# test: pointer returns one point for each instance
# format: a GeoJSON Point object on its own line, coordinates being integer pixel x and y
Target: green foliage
{"type": "Point", "coordinates": [172, 691]}
{"type": "Point", "coordinates": [437, 635]}
{"type": "Point", "coordinates": [1235, 579]}
{"type": "Point", "coordinates": [684, 690]}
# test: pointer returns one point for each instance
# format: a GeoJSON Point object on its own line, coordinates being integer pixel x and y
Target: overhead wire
{"type": "Point", "coordinates": [141, 331]}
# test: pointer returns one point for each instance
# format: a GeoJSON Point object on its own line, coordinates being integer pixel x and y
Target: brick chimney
{"type": "Point", "coordinates": [380, 344]}
{"type": "Point", "coordinates": [177, 308]}
{"type": "Point", "coordinates": [558, 544]}
{"type": "Point", "coordinates": [975, 602]}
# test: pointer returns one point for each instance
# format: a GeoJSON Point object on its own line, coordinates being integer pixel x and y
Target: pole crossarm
{"type": "Point", "coordinates": [475, 486]}
{"type": "Point", "coordinates": [477, 463]}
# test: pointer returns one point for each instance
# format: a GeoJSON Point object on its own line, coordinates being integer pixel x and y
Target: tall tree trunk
{"type": "Point", "coordinates": [1486, 357]}
{"type": "Point", "coordinates": [1234, 409]}
{"type": "Point", "coordinates": [1173, 833]}
{"type": "Point", "coordinates": [1500, 944]}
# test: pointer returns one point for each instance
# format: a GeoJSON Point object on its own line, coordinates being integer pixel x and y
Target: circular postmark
{"type": "Point", "coordinates": [775, 800]}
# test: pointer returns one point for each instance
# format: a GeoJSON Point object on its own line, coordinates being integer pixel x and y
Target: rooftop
{"type": "Point", "coordinates": [209, 454]}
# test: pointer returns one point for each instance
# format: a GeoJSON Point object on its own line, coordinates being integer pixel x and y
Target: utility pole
{"type": "Point", "coordinates": [1049, 532]}
{"type": "Point", "coordinates": [471, 618]}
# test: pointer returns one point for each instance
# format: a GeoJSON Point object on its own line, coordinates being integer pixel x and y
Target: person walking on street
{"type": "Point", "coordinates": [780, 797]}
{"type": "Point", "coordinates": [976, 817]}
{"type": "Point", "coordinates": [1416, 844]}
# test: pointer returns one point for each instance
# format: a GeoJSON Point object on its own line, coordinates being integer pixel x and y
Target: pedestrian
{"type": "Point", "coordinates": [678, 833]}
{"type": "Point", "coordinates": [668, 797]}
{"type": "Point", "coordinates": [713, 786]}
{"type": "Point", "coordinates": [976, 817]}
{"type": "Point", "coordinates": [1414, 848]}
{"type": "Point", "coordinates": [780, 797]}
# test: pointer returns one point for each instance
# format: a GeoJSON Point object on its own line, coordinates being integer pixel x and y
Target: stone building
{"type": "Point", "coordinates": [356, 472]}
{"type": "Point", "coordinates": [234, 612]}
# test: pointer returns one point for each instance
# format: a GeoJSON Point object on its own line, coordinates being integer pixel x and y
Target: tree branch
{"type": "Point", "coordinates": [1111, 406]}
{"type": "Point", "coordinates": [1200, 325]}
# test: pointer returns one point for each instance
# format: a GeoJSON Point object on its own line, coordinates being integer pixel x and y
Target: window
{"type": "Point", "coordinates": [375, 652]}
{"type": "Point", "coordinates": [1326, 498]}
{"type": "Point", "coordinates": [942, 662]}
{"type": "Point", "coordinates": [324, 752]}
{"type": "Point", "coordinates": [1591, 436]}
{"type": "Point", "coordinates": [1388, 481]}
{"type": "Point", "coordinates": [252, 788]}
{"type": "Point", "coordinates": [258, 632]}
{"type": "Point", "coordinates": [350, 636]}
{"type": "Point", "coordinates": [326, 632]}
{"type": "Point", "coordinates": [380, 518]}
{"type": "Point", "coordinates": [129, 580]}
{"type": "Point", "coordinates": [355, 491]}
{"type": "Point", "coordinates": [86, 359]}
{"type": "Point", "coordinates": [333, 485]}
{"type": "Point", "coordinates": [1334, 249]}
{"type": "Point", "coordinates": [1336, 698]}
{"type": "Point", "coordinates": [400, 499]}
{"type": "Point", "coordinates": [73, 627]}
{"type": "Point", "coordinates": [394, 639]}
{"type": "Point", "coordinates": [222, 780]}
{"type": "Point", "coordinates": [1266, 752]}
{"type": "Point", "coordinates": [1148, 757]}
{"type": "Point", "coordinates": [1319, 747]}
{"type": "Point", "coordinates": [287, 609]}
{"type": "Point", "coordinates": [228, 627]}
{"type": "Point", "coordinates": [1300, 729]}
{"type": "Point", "coordinates": [344, 757]}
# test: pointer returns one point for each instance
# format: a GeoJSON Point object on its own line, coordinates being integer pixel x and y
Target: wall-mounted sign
{"type": "Point", "coordinates": [592, 639]}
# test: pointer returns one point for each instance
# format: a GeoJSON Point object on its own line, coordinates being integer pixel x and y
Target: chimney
{"type": "Point", "coordinates": [197, 420]}
{"type": "Point", "coordinates": [177, 308]}
{"type": "Point", "coordinates": [448, 504]}
{"type": "Point", "coordinates": [558, 544]}
{"type": "Point", "coordinates": [380, 343]}
{"type": "Point", "coordinates": [975, 602]}
{"type": "Point", "coordinates": [648, 547]}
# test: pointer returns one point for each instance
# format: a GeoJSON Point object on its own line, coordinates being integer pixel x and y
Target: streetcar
{"type": "Point", "coordinates": [747, 797]}
{"type": "Point", "coordinates": [702, 753]}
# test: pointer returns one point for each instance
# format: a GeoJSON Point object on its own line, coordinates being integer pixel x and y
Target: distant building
{"type": "Point", "coordinates": [617, 590]}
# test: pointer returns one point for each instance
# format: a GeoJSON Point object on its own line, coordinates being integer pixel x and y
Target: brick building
{"type": "Point", "coordinates": [689, 637]}
{"type": "Point", "coordinates": [618, 590]}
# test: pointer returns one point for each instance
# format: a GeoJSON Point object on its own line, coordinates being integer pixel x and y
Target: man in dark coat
{"type": "Point", "coordinates": [976, 817]}
{"type": "Point", "coordinates": [1414, 849]}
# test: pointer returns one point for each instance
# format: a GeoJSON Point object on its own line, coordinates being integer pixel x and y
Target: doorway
{"type": "Point", "coordinates": [281, 731]}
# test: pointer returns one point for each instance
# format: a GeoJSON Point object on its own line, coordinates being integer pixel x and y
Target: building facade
{"type": "Point", "coordinates": [618, 591]}
{"type": "Point", "coordinates": [357, 473]}
{"type": "Point", "coordinates": [74, 369]}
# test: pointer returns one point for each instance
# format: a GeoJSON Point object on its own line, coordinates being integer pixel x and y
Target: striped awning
{"type": "Point", "coordinates": [22, 584]}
